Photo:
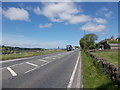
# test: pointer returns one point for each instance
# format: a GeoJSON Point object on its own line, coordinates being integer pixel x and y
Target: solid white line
{"type": "Point", "coordinates": [31, 64]}
{"type": "Point", "coordinates": [73, 73]}
{"type": "Point", "coordinates": [35, 68]}
{"type": "Point", "coordinates": [11, 71]}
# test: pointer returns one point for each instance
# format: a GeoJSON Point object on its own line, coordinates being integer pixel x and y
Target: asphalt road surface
{"type": "Point", "coordinates": [60, 70]}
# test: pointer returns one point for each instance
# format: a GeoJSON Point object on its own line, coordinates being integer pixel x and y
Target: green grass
{"type": "Point", "coordinates": [28, 54]}
{"type": "Point", "coordinates": [111, 56]}
{"type": "Point", "coordinates": [93, 75]}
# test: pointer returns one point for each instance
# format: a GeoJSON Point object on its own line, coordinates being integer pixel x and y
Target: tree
{"type": "Point", "coordinates": [88, 41]}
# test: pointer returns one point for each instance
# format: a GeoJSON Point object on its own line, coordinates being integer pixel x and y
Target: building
{"type": "Point", "coordinates": [114, 46]}
{"type": "Point", "coordinates": [107, 45]}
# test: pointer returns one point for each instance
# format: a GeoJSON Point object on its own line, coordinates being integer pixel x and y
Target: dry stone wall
{"type": "Point", "coordinates": [110, 68]}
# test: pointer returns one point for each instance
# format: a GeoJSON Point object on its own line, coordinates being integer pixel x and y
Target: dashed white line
{"type": "Point", "coordinates": [13, 65]}
{"type": "Point", "coordinates": [43, 60]}
{"type": "Point", "coordinates": [73, 73]}
{"type": "Point", "coordinates": [31, 64]}
{"type": "Point", "coordinates": [46, 57]}
{"type": "Point", "coordinates": [11, 71]}
{"type": "Point", "coordinates": [35, 68]}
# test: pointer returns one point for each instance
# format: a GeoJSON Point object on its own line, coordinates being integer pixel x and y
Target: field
{"type": "Point", "coordinates": [28, 54]}
{"type": "Point", "coordinates": [111, 56]}
{"type": "Point", "coordinates": [93, 75]}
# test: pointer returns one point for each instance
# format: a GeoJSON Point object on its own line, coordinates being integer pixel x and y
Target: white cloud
{"type": "Point", "coordinates": [47, 25]}
{"type": "Point", "coordinates": [79, 19]}
{"type": "Point", "coordinates": [0, 10]}
{"type": "Point", "coordinates": [100, 20]}
{"type": "Point", "coordinates": [93, 27]}
{"type": "Point", "coordinates": [108, 14]}
{"type": "Point", "coordinates": [60, 12]}
{"type": "Point", "coordinates": [22, 41]}
{"type": "Point", "coordinates": [13, 13]}
{"type": "Point", "coordinates": [118, 34]}
{"type": "Point", "coordinates": [103, 33]}
{"type": "Point", "coordinates": [104, 11]}
{"type": "Point", "coordinates": [37, 10]}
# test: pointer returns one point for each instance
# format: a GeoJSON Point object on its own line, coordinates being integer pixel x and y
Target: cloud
{"type": "Point", "coordinates": [100, 20]}
{"type": "Point", "coordinates": [118, 34]}
{"type": "Point", "coordinates": [108, 14]}
{"type": "Point", "coordinates": [104, 11]}
{"type": "Point", "coordinates": [79, 19]}
{"type": "Point", "coordinates": [0, 10]}
{"type": "Point", "coordinates": [103, 33]}
{"type": "Point", "coordinates": [47, 25]}
{"type": "Point", "coordinates": [0, 14]}
{"type": "Point", "coordinates": [62, 12]}
{"type": "Point", "coordinates": [93, 27]}
{"type": "Point", "coordinates": [37, 10]}
{"type": "Point", "coordinates": [23, 41]}
{"type": "Point", "coordinates": [13, 13]}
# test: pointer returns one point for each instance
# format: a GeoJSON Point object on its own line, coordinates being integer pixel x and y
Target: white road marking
{"type": "Point", "coordinates": [53, 58]}
{"type": "Point", "coordinates": [13, 65]}
{"type": "Point", "coordinates": [73, 73]}
{"type": "Point", "coordinates": [46, 57]}
{"type": "Point", "coordinates": [36, 68]}
{"type": "Point", "coordinates": [11, 71]}
{"type": "Point", "coordinates": [18, 59]}
{"type": "Point", "coordinates": [31, 64]}
{"type": "Point", "coordinates": [42, 60]}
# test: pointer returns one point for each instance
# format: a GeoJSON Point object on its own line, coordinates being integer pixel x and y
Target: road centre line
{"type": "Point", "coordinates": [73, 73]}
{"type": "Point", "coordinates": [36, 68]}
{"type": "Point", "coordinates": [46, 57]}
{"type": "Point", "coordinates": [18, 59]}
{"type": "Point", "coordinates": [20, 63]}
{"type": "Point", "coordinates": [43, 60]}
{"type": "Point", "coordinates": [13, 65]}
{"type": "Point", "coordinates": [11, 71]}
{"type": "Point", "coordinates": [31, 64]}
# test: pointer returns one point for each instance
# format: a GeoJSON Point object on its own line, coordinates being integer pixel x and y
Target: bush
{"type": "Point", "coordinates": [92, 47]}
{"type": "Point", "coordinates": [113, 41]}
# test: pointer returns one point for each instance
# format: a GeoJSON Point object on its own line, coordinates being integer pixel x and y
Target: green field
{"type": "Point", "coordinates": [111, 56]}
{"type": "Point", "coordinates": [28, 54]}
{"type": "Point", "coordinates": [93, 75]}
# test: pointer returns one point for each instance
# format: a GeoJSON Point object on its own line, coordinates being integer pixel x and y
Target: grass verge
{"type": "Point", "coordinates": [93, 75]}
{"type": "Point", "coordinates": [28, 54]}
{"type": "Point", "coordinates": [111, 56]}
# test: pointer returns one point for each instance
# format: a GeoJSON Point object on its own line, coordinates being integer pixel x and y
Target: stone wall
{"type": "Point", "coordinates": [114, 47]}
{"type": "Point", "coordinates": [110, 68]}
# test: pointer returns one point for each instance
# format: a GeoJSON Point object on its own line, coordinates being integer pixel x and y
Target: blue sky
{"type": "Point", "coordinates": [49, 25]}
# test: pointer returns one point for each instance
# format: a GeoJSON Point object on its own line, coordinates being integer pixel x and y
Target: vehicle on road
{"type": "Point", "coordinates": [69, 47]}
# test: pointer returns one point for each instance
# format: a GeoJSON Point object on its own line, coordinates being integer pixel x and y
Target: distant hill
{"type": "Point", "coordinates": [10, 49]}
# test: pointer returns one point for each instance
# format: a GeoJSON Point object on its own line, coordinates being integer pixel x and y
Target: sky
{"type": "Point", "coordinates": [50, 24]}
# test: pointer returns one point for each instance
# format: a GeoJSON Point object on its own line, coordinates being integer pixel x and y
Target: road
{"type": "Point", "coordinates": [60, 70]}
